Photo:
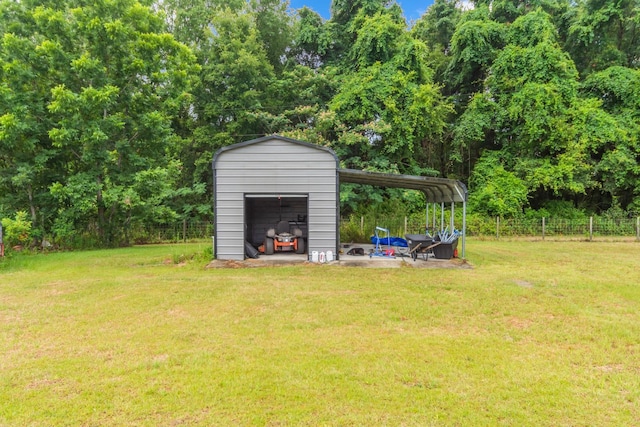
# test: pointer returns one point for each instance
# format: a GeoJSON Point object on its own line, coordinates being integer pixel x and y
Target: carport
{"type": "Point", "coordinates": [272, 179]}
{"type": "Point", "coordinates": [438, 192]}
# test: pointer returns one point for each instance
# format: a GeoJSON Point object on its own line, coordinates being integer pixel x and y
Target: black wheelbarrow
{"type": "Point", "coordinates": [420, 244]}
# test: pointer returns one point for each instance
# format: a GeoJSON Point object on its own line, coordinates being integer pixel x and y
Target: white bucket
{"type": "Point", "coordinates": [314, 256]}
{"type": "Point", "coordinates": [329, 256]}
{"type": "Point", "coordinates": [322, 258]}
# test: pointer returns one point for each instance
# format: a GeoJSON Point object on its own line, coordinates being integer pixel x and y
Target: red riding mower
{"type": "Point", "coordinates": [283, 239]}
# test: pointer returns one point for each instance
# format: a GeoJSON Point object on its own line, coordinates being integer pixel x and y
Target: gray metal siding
{"type": "Point", "coordinates": [229, 229]}
{"type": "Point", "coordinates": [274, 166]}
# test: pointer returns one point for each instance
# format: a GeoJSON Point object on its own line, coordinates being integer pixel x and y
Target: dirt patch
{"type": "Point", "coordinates": [523, 283]}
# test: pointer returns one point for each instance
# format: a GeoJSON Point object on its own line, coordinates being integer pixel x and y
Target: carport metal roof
{"type": "Point", "coordinates": [437, 190]}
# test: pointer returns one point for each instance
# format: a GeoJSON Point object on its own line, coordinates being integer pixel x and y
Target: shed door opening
{"type": "Point", "coordinates": [264, 211]}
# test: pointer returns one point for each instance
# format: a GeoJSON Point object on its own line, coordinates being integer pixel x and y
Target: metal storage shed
{"type": "Point", "coordinates": [260, 182]}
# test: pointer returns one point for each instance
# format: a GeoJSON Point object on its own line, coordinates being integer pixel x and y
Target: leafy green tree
{"type": "Point", "coordinates": [532, 29]}
{"type": "Point", "coordinates": [474, 46]}
{"type": "Point", "coordinates": [495, 190]}
{"type": "Point", "coordinates": [389, 104]}
{"type": "Point", "coordinates": [347, 20]}
{"type": "Point", "coordinates": [236, 76]}
{"type": "Point", "coordinates": [618, 89]}
{"type": "Point", "coordinates": [188, 20]}
{"type": "Point", "coordinates": [436, 28]}
{"type": "Point", "coordinates": [604, 34]}
{"type": "Point", "coordinates": [275, 28]}
{"type": "Point", "coordinates": [312, 39]}
{"type": "Point", "coordinates": [532, 115]}
{"type": "Point", "coordinates": [28, 160]}
{"type": "Point", "coordinates": [507, 11]}
{"type": "Point", "coordinates": [111, 80]}
{"type": "Point", "coordinates": [376, 40]}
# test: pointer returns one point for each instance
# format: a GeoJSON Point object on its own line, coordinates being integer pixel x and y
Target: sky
{"type": "Point", "coordinates": [413, 9]}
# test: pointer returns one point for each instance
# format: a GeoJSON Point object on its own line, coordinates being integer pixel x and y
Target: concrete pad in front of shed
{"type": "Point", "coordinates": [288, 259]}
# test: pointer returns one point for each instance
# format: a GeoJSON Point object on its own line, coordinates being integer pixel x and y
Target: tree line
{"type": "Point", "coordinates": [111, 110]}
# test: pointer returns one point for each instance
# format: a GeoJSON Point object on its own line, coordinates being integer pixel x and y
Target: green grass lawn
{"type": "Point", "coordinates": [536, 334]}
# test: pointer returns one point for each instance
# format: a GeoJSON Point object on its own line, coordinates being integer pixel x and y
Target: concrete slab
{"type": "Point", "coordinates": [287, 259]}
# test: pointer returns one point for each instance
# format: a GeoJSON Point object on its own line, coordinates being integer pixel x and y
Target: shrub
{"type": "Point", "coordinates": [16, 231]}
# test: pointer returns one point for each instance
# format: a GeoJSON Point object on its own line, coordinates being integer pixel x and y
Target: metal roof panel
{"type": "Point", "coordinates": [437, 190]}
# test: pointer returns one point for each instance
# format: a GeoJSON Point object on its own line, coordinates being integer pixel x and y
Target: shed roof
{"type": "Point", "coordinates": [272, 138]}
{"type": "Point", "coordinates": [437, 190]}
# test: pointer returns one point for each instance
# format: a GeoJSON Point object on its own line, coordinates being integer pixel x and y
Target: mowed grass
{"type": "Point", "coordinates": [537, 333]}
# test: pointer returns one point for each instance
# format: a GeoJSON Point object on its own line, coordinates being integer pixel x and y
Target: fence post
{"type": "Point", "coordinates": [543, 227]}
{"type": "Point", "coordinates": [638, 228]}
{"type": "Point", "coordinates": [497, 227]}
{"type": "Point", "coordinates": [184, 230]}
{"type": "Point", "coordinates": [362, 224]}
{"type": "Point", "coordinates": [590, 228]}
{"type": "Point", "coordinates": [405, 225]}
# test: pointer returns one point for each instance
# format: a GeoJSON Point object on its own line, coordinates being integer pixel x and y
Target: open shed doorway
{"type": "Point", "coordinates": [264, 211]}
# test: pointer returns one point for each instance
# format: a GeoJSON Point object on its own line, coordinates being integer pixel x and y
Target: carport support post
{"type": "Point", "coordinates": [434, 218]}
{"type": "Point", "coordinates": [426, 219]}
{"type": "Point", "coordinates": [464, 227]}
{"type": "Point", "coordinates": [452, 215]}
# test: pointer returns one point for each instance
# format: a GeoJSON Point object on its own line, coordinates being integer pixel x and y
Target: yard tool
{"type": "Point", "coordinates": [379, 251]}
{"type": "Point", "coordinates": [421, 244]}
{"type": "Point", "coordinates": [446, 237]}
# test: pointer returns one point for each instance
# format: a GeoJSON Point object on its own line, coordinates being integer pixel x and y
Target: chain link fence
{"type": "Point", "coordinates": [361, 228]}
{"type": "Point", "coordinates": [183, 231]}
{"type": "Point", "coordinates": [558, 228]}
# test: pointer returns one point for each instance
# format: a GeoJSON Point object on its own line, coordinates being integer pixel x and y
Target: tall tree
{"type": "Point", "coordinates": [347, 19]}
{"type": "Point", "coordinates": [436, 28]}
{"type": "Point", "coordinates": [474, 46]}
{"type": "Point", "coordinates": [25, 152]}
{"type": "Point", "coordinates": [384, 97]}
{"type": "Point", "coordinates": [312, 40]}
{"type": "Point", "coordinates": [111, 80]}
{"type": "Point", "coordinates": [618, 89]}
{"type": "Point", "coordinates": [275, 28]}
{"type": "Point", "coordinates": [605, 33]}
{"type": "Point", "coordinates": [532, 115]}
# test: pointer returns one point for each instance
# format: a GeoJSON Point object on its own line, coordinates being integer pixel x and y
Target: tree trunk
{"type": "Point", "coordinates": [100, 204]}
{"type": "Point", "coordinates": [32, 207]}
